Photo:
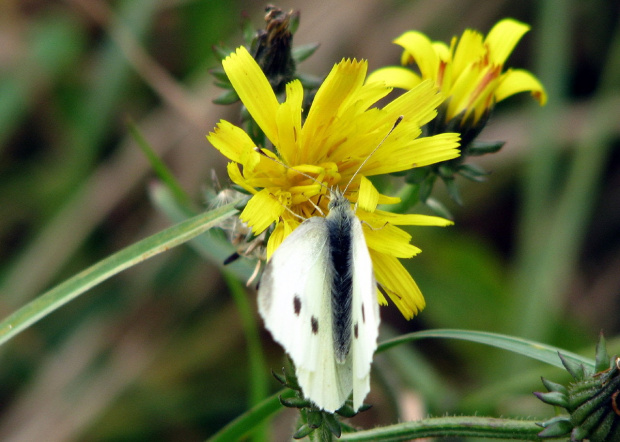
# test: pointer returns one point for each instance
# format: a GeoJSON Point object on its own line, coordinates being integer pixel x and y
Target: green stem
{"type": "Point", "coordinates": [248, 421]}
{"type": "Point", "coordinates": [461, 426]}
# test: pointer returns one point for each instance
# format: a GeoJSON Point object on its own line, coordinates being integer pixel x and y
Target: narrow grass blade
{"type": "Point", "coordinates": [535, 350]}
{"type": "Point", "coordinates": [110, 266]}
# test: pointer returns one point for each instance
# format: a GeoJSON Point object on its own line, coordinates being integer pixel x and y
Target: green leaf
{"type": "Point", "coordinates": [110, 266]}
{"type": "Point", "coordinates": [535, 350]}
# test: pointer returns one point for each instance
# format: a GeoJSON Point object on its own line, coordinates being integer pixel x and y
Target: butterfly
{"type": "Point", "coordinates": [318, 298]}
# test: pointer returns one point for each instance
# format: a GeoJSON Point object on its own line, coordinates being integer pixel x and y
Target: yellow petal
{"type": "Point", "coordinates": [289, 122]}
{"type": "Point", "coordinates": [415, 153]}
{"type": "Point", "coordinates": [395, 76]}
{"type": "Point", "coordinates": [390, 240]}
{"type": "Point", "coordinates": [502, 39]}
{"type": "Point", "coordinates": [368, 196]}
{"type": "Point", "coordinates": [398, 284]}
{"type": "Point", "coordinates": [261, 211]}
{"type": "Point", "coordinates": [384, 199]}
{"type": "Point", "coordinates": [344, 79]}
{"type": "Point", "coordinates": [442, 50]}
{"type": "Point", "coordinates": [519, 80]}
{"type": "Point", "coordinates": [235, 175]}
{"type": "Point", "coordinates": [232, 141]}
{"type": "Point", "coordinates": [463, 87]}
{"type": "Point", "coordinates": [419, 48]}
{"type": "Point", "coordinates": [417, 105]}
{"type": "Point", "coordinates": [281, 231]}
{"type": "Point", "coordinates": [254, 90]}
{"type": "Point", "coordinates": [363, 98]}
{"type": "Point", "coordinates": [412, 219]}
{"type": "Point", "coordinates": [469, 50]}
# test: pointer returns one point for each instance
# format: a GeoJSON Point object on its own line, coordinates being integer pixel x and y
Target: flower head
{"type": "Point", "coordinates": [340, 132]}
{"type": "Point", "coordinates": [470, 72]}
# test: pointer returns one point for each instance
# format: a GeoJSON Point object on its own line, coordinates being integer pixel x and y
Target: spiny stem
{"type": "Point", "coordinates": [458, 426]}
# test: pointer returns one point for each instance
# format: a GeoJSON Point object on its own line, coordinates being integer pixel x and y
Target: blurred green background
{"type": "Point", "coordinates": [159, 352]}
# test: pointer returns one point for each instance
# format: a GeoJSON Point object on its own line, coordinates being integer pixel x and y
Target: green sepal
{"type": "Point", "coordinates": [293, 23]}
{"type": "Point", "coordinates": [303, 431]}
{"type": "Point", "coordinates": [346, 411]}
{"type": "Point", "coordinates": [439, 208]}
{"type": "Point", "coordinates": [309, 81]}
{"type": "Point", "coordinates": [556, 427]}
{"type": "Point", "coordinates": [291, 378]}
{"type": "Point", "coordinates": [477, 148]}
{"type": "Point", "coordinates": [221, 52]}
{"type": "Point", "coordinates": [315, 418]}
{"type": "Point", "coordinates": [295, 402]}
{"type": "Point", "coordinates": [576, 370]}
{"type": "Point", "coordinates": [453, 190]}
{"type": "Point", "coordinates": [473, 172]}
{"type": "Point", "coordinates": [446, 169]}
{"type": "Point", "coordinates": [219, 75]}
{"type": "Point", "coordinates": [416, 176]}
{"type": "Point", "coordinates": [228, 97]}
{"type": "Point", "coordinates": [589, 422]}
{"type": "Point", "coordinates": [601, 432]}
{"type": "Point", "coordinates": [580, 395]}
{"type": "Point", "coordinates": [554, 398]}
{"type": "Point", "coordinates": [279, 377]}
{"type": "Point", "coordinates": [248, 31]}
{"type": "Point", "coordinates": [302, 52]}
{"type": "Point", "coordinates": [223, 85]}
{"type": "Point", "coordinates": [554, 386]}
{"type": "Point", "coordinates": [602, 357]}
{"type": "Point", "coordinates": [592, 406]}
{"type": "Point", "coordinates": [332, 424]}
{"type": "Point", "coordinates": [426, 186]}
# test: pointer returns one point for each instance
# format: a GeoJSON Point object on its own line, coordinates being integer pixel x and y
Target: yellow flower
{"type": "Point", "coordinates": [340, 131]}
{"type": "Point", "coordinates": [469, 72]}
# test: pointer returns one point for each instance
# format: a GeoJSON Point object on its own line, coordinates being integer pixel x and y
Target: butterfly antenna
{"type": "Point", "coordinates": [396, 123]}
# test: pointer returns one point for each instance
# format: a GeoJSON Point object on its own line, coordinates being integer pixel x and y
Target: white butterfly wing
{"type": "Point", "coordinates": [365, 315]}
{"type": "Point", "coordinates": [294, 300]}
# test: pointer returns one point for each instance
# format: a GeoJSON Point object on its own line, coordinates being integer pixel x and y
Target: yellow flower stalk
{"type": "Point", "coordinates": [340, 131]}
{"type": "Point", "coordinates": [470, 72]}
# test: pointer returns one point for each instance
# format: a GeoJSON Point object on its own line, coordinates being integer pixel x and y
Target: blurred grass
{"type": "Point", "coordinates": [159, 352]}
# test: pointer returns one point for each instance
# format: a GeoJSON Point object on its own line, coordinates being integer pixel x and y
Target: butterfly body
{"type": "Point", "coordinates": [318, 299]}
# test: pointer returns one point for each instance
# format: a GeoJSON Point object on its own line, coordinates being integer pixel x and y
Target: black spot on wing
{"type": "Point", "coordinates": [297, 305]}
{"type": "Point", "coordinates": [363, 315]}
{"type": "Point", "coordinates": [355, 331]}
{"type": "Point", "coordinates": [314, 322]}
